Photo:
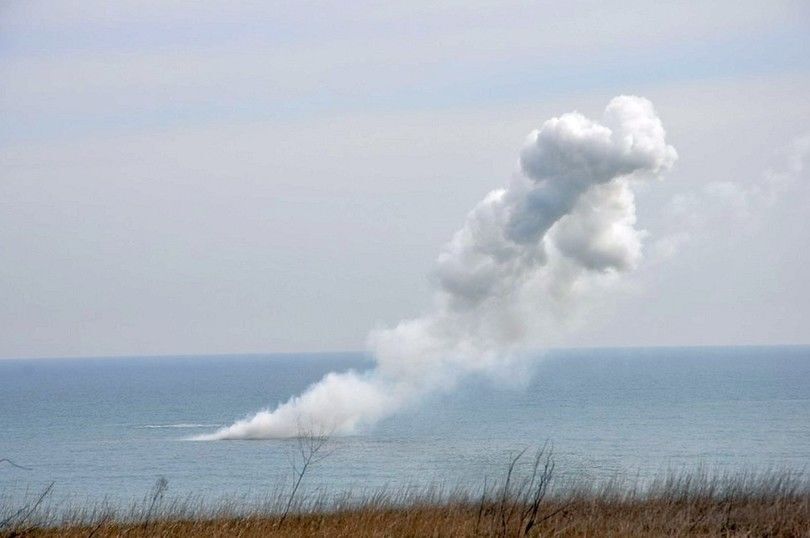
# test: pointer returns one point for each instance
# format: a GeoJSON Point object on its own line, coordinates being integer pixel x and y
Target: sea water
{"type": "Point", "coordinates": [106, 429]}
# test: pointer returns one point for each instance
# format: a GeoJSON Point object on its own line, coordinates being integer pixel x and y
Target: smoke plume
{"type": "Point", "coordinates": [565, 221]}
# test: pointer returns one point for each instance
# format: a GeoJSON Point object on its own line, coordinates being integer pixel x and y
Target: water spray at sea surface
{"type": "Point", "coordinates": [526, 252]}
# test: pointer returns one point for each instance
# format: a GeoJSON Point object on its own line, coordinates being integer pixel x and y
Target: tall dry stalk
{"type": "Point", "coordinates": [311, 450]}
{"type": "Point", "coordinates": [155, 498]}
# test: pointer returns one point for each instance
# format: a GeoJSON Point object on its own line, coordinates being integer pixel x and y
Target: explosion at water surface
{"type": "Point", "coordinates": [526, 253]}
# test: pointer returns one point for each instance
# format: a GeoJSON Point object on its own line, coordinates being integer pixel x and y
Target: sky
{"type": "Point", "coordinates": [180, 177]}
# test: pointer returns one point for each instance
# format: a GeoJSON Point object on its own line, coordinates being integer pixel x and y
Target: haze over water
{"type": "Point", "coordinates": [108, 428]}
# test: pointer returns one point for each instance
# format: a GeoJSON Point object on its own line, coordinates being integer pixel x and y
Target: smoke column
{"type": "Point", "coordinates": [526, 252]}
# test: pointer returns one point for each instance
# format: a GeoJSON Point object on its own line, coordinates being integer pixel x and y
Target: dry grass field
{"type": "Point", "coordinates": [525, 502]}
{"type": "Point", "coordinates": [575, 517]}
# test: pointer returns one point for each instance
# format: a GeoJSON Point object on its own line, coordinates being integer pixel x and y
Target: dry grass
{"type": "Point", "coordinates": [574, 517]}
{"type": "Point", "coordinates": [523, 503]}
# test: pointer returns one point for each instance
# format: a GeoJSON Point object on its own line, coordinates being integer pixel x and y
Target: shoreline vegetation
{"type": "Point", "coordinates": [527, 500]}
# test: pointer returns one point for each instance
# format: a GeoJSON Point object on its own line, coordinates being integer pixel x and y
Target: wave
{"type": "Point", "coordinates": [181, 425]}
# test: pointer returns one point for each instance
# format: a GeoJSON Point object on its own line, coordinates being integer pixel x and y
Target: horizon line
{"type": "Point", "coordinates": [270, 354]}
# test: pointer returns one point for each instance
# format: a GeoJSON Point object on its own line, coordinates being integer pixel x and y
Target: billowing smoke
{"type": "Point", "coordinates": [525, 253]}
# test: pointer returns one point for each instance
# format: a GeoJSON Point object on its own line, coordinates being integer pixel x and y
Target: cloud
{"type": "Point", "coordinates": [720, 206]}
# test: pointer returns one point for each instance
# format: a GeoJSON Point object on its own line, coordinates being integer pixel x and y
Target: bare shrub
{"type": "Point", "coordinates": [311, 449]}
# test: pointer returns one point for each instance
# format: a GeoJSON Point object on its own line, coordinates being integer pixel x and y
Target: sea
{"type": "Point", "coordinates": [106, 429]}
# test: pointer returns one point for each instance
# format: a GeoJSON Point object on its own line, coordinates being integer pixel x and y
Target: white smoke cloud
{"type": "Point", "coordinates": [525, 252]}
{"type": "Point", "coordinates": [732, 206]}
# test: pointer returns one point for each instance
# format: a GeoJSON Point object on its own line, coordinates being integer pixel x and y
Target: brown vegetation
{"type": "Point", "coordinates": [572, 517]}
{"type": "Point", "coordinates": [523, 503]}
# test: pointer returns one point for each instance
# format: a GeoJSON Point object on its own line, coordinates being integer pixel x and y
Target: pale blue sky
{"type": "Point", "coordinates": [126, 66]}
{"type": "Point", "coordinates": [185, 177]}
